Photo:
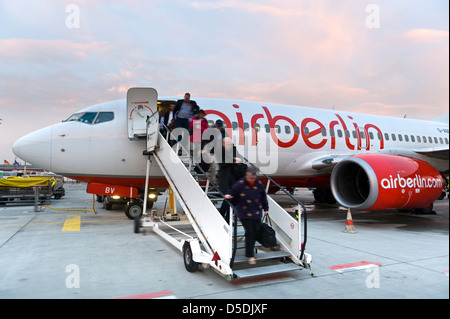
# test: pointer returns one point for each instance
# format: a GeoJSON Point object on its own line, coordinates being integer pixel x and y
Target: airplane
{"type": "Point", "coordinates": [364, 162]}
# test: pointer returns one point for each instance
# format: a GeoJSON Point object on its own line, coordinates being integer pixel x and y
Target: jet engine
{"type": "Point", "coordinates": [381, 181]}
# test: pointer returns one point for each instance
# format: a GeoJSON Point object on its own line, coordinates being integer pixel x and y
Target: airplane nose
{"type": "Point", "coordinates": [35, 148]}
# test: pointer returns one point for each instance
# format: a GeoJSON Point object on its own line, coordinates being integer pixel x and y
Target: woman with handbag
{"type": "Point", "coordinates": [251, 200]}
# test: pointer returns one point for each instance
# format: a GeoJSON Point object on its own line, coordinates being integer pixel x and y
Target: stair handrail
{"type": "Point", "coordinates": [303, 245]}
{"type": "Point", "coordinates": [233, 254]}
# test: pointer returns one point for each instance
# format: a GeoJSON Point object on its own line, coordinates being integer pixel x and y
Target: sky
{"type": "Point", "coordinates": [380, 57]}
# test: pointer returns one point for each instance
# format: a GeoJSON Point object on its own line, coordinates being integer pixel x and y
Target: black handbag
{"type": "Point", "coordinates": [266, 236]}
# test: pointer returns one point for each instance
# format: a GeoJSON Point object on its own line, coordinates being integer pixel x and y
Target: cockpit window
{"type": "Point", "coordinates": [74, 117]}
{"type": "Point", "coordinates": [91, 117]}
{"type": "Point", "coordinates": [87, 117]}
{"type": "Point", "coordinates": [104, 117]}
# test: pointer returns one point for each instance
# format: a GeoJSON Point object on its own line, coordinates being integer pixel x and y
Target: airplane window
{"type": "Point", "coordinates": [379, 136]}
{"type": "Point", "coordinates": [104, 117]}
{"type": "Point", "coordinates": [267, 126]}
{"type": "Point", "coordinates": [418, 139]}
{"type": "Point", "coordinates": [257, 127]}
{"type": "Point", "coordinates": [354, 134]}
{"type": "Point", "coordinates": [74, 117]}
{"type": "Point", "coordinates": [347, 134]}
{"type": "Point", "coordinates": [210, 123]}
{"type": "Point", "coordinates": [400, 138]}
{"type": "Point", "coordinates": [339, 133]}
{"type": "Point", "coordinates": [435, 140]}
{"type": "Point", "coordinates": [424, 139]}
{"type": "Point", "coordinates": [386, 136]}
{"type": "Point", "coordinates": [234, 125]}
{"type": "Point", "coordinates": [306, 131]}
{"type": "Point", "coordinates": [406, 138]}
{"type": "Point", "coordinates": [446, 140]}
{"type": "Point", "coordinates": [87, 117]}
{"type": "Point", "coordinates": [413, 139]}
{"type": "Point", "coordinates": [441, 141]}
{"type": "Point", "coordinates": [331, 132]}
{"type": "Point", "coordinates": [430, 140]}
{"type": "Point", "coordinates": [287, 129]}
{"type": "Point", "coordinates": [393, 137]}
{"type": "Point", "coordinates": [246, 126]}
{"type": "Point", "coordinates": [277, 129]}
{"type": "Point", "coordinates": [297, 130]}
{"type": "Point", "coordinates": [324, 132]}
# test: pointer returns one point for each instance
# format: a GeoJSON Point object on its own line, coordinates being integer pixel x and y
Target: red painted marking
{"type": "Point", "coordinates": [151, 295]}
{"type": "Point", "coordinates": [161, 182]}
{"type": "Point", "coordinates": [351, 265]}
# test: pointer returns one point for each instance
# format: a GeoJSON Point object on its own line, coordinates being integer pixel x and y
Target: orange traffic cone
{"type": "Point", "coordinates": [349, 228]}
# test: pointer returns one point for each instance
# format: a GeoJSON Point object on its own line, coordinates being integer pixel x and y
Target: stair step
{"type": "Point", "coordinates": [241, 244]}
{"type": "Point", "coordinates": [263, 256]}
{"type": "Point", "coordinates": [240, 233]}
{"type": "Point", "coordinates": [267, 270]}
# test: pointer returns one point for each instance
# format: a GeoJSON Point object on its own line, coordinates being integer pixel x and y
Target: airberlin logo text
{"type": "Point", "coordinates": [410, 182]}
{"type": "Point", "coordinates": [310, 130]}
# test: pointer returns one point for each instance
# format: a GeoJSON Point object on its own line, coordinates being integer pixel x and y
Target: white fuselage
{"type": "Point", "coordinates": [287, 142]}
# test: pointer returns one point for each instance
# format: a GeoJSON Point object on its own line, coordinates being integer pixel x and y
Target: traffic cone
{"type": "Point", "coordinates": [349, 228]}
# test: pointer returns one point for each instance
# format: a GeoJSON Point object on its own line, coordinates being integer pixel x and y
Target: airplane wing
{"type": "Point", "coordinates": [439, 154]}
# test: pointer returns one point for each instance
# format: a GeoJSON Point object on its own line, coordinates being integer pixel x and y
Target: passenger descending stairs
{"type": "Point", "coordinates": [200, 199]}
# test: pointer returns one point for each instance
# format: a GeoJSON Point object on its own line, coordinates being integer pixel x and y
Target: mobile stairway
{"type": "Point", "coordinates": [208, 239]}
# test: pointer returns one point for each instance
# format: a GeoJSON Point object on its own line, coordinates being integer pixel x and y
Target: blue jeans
{"type": "Point", "coordinates": [184, 123]}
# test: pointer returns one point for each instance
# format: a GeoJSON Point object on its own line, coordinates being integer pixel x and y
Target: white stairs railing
{"type": "Point", "coordinates": [210, 240]}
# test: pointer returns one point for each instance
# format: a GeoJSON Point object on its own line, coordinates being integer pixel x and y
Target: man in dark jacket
{"type": "Point", "coordinates": [184, 111]}
{"type": "Point", "coordinates": [251, 200]}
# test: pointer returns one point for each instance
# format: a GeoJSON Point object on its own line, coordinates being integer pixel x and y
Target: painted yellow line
{"type": "Point", "coordinates": [55, 223]}
{"type": "Point", "coordinates": [72, 223]}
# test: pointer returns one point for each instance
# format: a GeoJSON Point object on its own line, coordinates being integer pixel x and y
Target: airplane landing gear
{"type": "Point", "coordinates": [134, 208]}
{"type": "Point", "coordinates": [324, 195]}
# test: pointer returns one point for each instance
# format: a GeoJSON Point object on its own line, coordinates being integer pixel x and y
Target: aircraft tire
{"type": "Point", "coordinates": [133, 209]}
{"type": "Point", "coordinates": [189, 263]}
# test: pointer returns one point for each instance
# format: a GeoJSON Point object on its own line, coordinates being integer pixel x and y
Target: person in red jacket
{"type": "Point", "coordinates": [197, 126]}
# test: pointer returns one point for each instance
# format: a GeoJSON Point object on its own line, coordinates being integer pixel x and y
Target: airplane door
{"type": "Point", "coordinates": [142, 107]}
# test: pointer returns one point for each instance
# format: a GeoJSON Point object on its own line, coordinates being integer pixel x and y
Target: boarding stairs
{"type": "Point", "coordinates": [208, 239]}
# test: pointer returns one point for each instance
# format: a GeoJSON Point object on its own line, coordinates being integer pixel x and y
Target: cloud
{"type": "Point", "coordinates": [50, 51]}
{"type": "Point", "coordinates": [423, 35]}
{"type": "Point", "coordinates": [315, 53]}
{"type": "Point", "coordinates": [251, 7]}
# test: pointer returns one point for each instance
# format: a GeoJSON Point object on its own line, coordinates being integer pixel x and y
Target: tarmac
{"type": "Point", "coordinates": [62, 254]}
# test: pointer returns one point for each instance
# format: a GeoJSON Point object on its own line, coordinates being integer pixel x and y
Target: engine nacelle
{"type": "Point", "coordinates": [380, 181]}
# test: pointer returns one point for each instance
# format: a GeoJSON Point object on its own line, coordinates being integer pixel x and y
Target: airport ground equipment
{"type": "Point", "coordinates": [26, 190]}
{"type": "Point", "coordinates": [208, 239]}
